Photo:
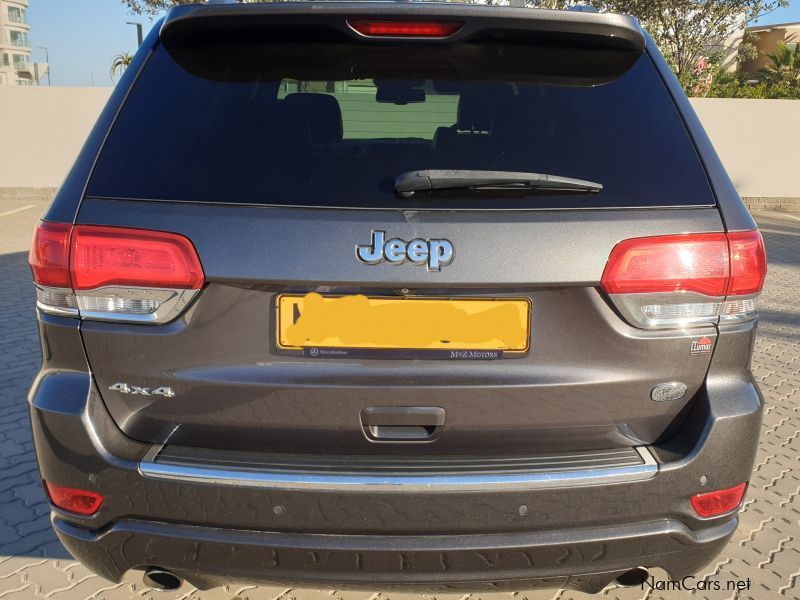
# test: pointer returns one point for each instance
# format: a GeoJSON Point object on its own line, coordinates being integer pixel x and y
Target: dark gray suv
{"type": "Point", "coordinates": [375, 294]}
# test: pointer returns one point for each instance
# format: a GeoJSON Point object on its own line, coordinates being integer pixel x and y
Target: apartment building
{"type": "Point", "coordinates": [16, 65]}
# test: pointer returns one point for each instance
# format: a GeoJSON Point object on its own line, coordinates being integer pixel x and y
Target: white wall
{"type": "Point", "coordinates": [758, 142]}
{"type": "Point", "coordinates": [42, 129]}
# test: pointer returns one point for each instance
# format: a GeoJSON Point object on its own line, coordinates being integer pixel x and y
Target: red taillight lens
{"type": "Point", "coordinates": [748, 263]}
{"type": "Point", "coordinates": [716, 275]}
{"type": "Point", "coordinates": [49, 254]}
{"type": "Point", "coordinates": [102, 256]}
{"type": "Point", "coordinates": [405, 28]}
{"type": "Point", "coordinates": [73, 500]}
{"type": "Point", "coordinates": [711, 504]}
{"type": "Point", "coordinates": [670, 263]}
{"type": "Point", "coordinates": [113, 273]}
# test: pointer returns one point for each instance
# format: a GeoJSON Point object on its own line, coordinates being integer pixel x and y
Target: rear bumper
{"type": "Point", "coordinates": [584, 559]}
{"type": "Point", "coordinates": [213, 532]}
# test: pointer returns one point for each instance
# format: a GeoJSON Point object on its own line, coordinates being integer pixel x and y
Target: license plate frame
{"type": "Point", "coordinates": [446, 313]}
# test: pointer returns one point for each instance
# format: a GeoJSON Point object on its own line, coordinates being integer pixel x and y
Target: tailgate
{"type": "Point", "coordinates": [331, 304]}
{"type": "Point", "coordinates": [585, 382]}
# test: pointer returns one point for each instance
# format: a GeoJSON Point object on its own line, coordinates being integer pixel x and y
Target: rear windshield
{"type": "Point", "coordinates": [333, 125]}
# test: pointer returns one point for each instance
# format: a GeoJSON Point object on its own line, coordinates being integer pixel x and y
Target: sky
{"type": "Point", "coordinates": [82, 36]}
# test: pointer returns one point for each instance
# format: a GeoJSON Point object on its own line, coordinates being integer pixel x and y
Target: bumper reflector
{"type": "Point", "coordinates": [711, 504]}
{"type": "Point", "coordinates": [73, 500]}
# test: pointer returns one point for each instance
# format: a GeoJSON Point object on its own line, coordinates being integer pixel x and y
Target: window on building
{"type": "Point", "coordinates": [18, 38]}
{"type": "Point", "coordinates": [5, 61]}
{"type": "Point", "coordinates": [792, 46]}
{"type": "Point", "coordinates": [20, 62]}
{"type": "Point", "coordinates": [16, 14]}
{"type": "Point", "coordinates": [24, 79]}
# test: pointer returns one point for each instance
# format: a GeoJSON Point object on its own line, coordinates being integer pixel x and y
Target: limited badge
{"type": "Point", "coordinates": [701, 346]}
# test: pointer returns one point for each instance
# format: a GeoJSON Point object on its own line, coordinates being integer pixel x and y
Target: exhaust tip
{"type": "Point", "coordinates": [161, 580]}
{"type": "Point", "coordinates": [633, 578]}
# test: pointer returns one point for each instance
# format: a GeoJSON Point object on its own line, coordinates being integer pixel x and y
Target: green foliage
{"type": "Point", "coordinates": [684, 30]}
{"type": "Point", "coordinates": [784, 66]}
{"type": "Point", "coordinates": [152, 7]}
{"type": "Point", "coordinates": [747, 47]}
{"type": "Point", "coordinates": [738, 85]}
{"type": "Point", "coordinates": [120, 62]}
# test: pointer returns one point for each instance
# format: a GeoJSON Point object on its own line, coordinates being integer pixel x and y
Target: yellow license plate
{"type": "Point", "coordinates": [315, 320]}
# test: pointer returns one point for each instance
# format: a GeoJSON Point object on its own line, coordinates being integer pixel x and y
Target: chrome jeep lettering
{"type": "Point", "coordinates": [435, 253]}
{"type": "Point", "coordinates": [373, 254]}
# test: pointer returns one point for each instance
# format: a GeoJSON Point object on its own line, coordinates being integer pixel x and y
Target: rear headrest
{"type": "Point", "coordinates": [320, 113]}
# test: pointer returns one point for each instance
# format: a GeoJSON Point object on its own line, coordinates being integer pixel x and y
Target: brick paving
{"type": "Point", "coordinates": [765, 549]}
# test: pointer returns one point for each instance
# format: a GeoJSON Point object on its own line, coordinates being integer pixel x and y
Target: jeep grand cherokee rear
{"type": "Point", "coordinates": [380, 294]}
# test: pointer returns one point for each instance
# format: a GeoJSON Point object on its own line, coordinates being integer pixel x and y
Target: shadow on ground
{"type": "Point", "coordinates": [24, 511]}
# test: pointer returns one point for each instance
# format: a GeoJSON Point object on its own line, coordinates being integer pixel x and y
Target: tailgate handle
{"type": "Point", "coordinates": [402, 423]}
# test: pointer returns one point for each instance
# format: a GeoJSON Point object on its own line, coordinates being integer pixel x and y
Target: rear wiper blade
{"type": "Point", "coordinates": [423, 181]}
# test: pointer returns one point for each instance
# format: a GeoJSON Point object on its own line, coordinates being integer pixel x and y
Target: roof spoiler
{"type": "Point", "coordinates": [326, 19]}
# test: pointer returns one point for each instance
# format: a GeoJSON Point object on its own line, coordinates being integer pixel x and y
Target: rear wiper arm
{"type": "Point", "coordinates": [422, 181]}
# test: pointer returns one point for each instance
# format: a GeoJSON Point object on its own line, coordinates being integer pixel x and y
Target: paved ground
{"type": "Point", "coordinates": [766, 548]}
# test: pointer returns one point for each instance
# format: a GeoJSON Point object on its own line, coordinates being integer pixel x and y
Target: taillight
{"type": "Point", "coordinates": [74, 500]}
{"type": "Point", "coordinates": [49, 255]}
{"type": "Point", "coordinates": [748, 263]}
{"type": "Point", "coordinates": [406, 29]}
{"type": "Point", "coordinates": [719, 502]}
{"type": "Point", "coordinates": [103, 256]}
{"type": "Point", "coordinates": [114, 273]}
{"type": "Point", "coordinates": [49, 261]}
{"type": "Point", "coordinates": [677, 280]}
{"type": "Point", "coordinates": [670, 263]}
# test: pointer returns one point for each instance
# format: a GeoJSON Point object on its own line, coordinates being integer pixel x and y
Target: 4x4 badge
{"type": "Point", "coordinates": [435, 253]}
{"type": "Point", "coordinates": [136, 390]}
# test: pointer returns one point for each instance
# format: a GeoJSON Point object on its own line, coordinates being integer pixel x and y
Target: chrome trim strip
{"type": "Point", "coordinates": [647, 458]}
{"type": "Point", "coordinates": [397, 483]}
{"type": "Point", "coordinates": [151, 455]}
{"type": "Point", "coordinates": [55, 310]}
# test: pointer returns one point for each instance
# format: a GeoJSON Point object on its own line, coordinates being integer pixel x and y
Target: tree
{"type": "Point", "coordinates": [779, 79]}
{"type": "Point", "coordinates": [688, 30]}
{"type": "Point", "coordinates": [784, 65]}
{"type": "Point", "coordinates": [152, 7]}
{"type": "Point", "coordinates": [120, 62]}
